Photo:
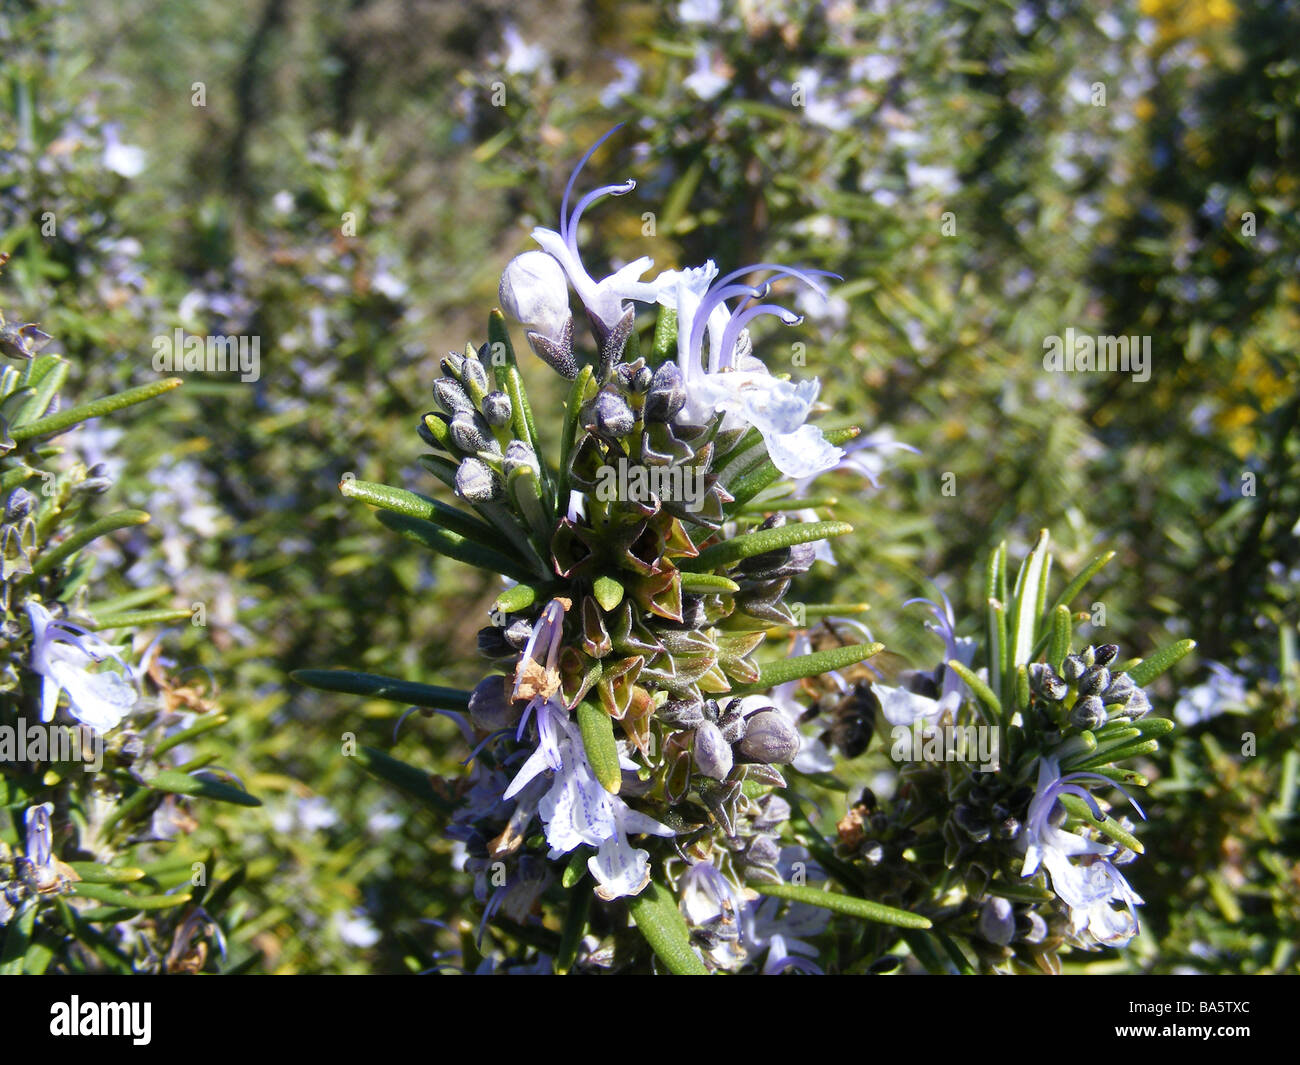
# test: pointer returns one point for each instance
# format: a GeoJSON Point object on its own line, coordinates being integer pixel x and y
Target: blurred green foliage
{"type": "Point", "coordinates": [347, 183]}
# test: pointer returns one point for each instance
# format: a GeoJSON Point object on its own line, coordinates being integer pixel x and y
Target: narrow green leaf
{"type": "Point", "coordinates": [707, 584]}
{"type": "Point", "coordinates": [400, 501]}
{"type": "Point", "coordinates": [46, 388]}
{"type": "Point", "coordinates": [109, 523]}
{"type": "Point", "coordinates": [205, 724]}
{"type": "Point", "coordinates": [598, 741]}
{"type": "Point", "coordinates": [176, 782]}
{"type": "Point", "coordinates": [748, 485]}
{"type": "Point", "coordinates": [1062, 630]}
{"type": "Point", "coordinates": [95, 873]}
{"type": "Point", "coordinates": [414, 782]}
{"type": "Point", "coordinates": [863, 909]}
{"type": "Point", "coordinates": [499, 342]}
{"type": "Point", "coordinates": [573, 929]}
{"type": "Point", "coordinates": [977, 686]}
{"type": "Point", "coordinates": [454, 545]}
{"type": "Point", "coordinates": [65, 419]}
{"type": "Point", "coordinates": [1025, 602]}
{"type": "Point", "coordinates": [1023, 892]}
{"type": "Point", "coordinates": [760, 542]}
{"type": "Point", "coordinates": [107, 895]}
{"type": "Point", "coordinates": [1148, 669]}
{"type": "Point", "coordinates": [1136, 749]}
{"type": "Point", "coordinates": [782, 670]}
{"type": "Point", "coordinates": [139, 618]}
{"type": "Point", "coordinates": [1084, 576]}
{"type": "Point", "coordinates": [351, 682]}
{"type": "Point", "coordinates": [657, 918]}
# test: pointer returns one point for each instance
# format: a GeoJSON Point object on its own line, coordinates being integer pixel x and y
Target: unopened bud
{"type": "Point", "coordinates": [490, 706]}
{"type": "Point", "coordinates": [667, 395]}
{"type": "Point", "coordinates": [477, 482]}
{"type": "Point", "coordinates": [1088, 713]}
{"type": "Point", "coordinates": [497, 409]}
{"type": "Point", "coordinates": [535, 292]}
{"type": "Point", "coordinates": [769, 738]}
{"type": "Point", "coordinates": [18, 505]}
{"type": "Point", "coordinates": [470, 433]}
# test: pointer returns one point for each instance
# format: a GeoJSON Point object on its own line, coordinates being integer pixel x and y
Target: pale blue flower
{"type": "Point", "coordinates": [1224, 692]}
{"type": "Point", "coordinates": [731, 381]}
{"type": "Point", "coordinates": [63, 653]}
{"type": "Point", "coordinates": [1089, 886]}
{"type": "Point", "coordinates": [603, 299]}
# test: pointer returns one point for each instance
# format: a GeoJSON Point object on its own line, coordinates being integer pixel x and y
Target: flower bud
{"type": "Point", "coordinates": [520, 454]}
{"type": "Point", "coordinates": [490, 707]}
{"type": "Point", "coordinates": [997, 921]}
{"type": "Point", "coordinates": [1043, 679]}
{"type": "Point", "coordinates": [667, 395]}
{"type": "Point", "coordinates": [1119, 689]}
{"type": "Point", "coordinates": [1094, 680]}
{"type": "Point", "coordinates": [611, 415]}
{"type": "Point", "coordinates": [713, 755]}
{"type": "Point", "coordinates": [497, 409]}
{"type": "Point", "coordinates": [451, 397]}
{"type": "Point", "coordinates": [477, 482]}
{"type": "Point", "coordinates": [470, 433]}
{"type": "Point", "coordinates": [1138, 705]}
{"type": "Point", "coordinates": [1088, 713]}
{"type": "Point", "coordinates": [474, 376]}
{"type": "Point", "coordinates": [1105, 654]}
{"type": "Point", "coordinates": [1072, 668]}
{"type": "Point", "coordinates": [769, 738]}
{"type": "Point", "coordinates": [535, 292]}
{"type": "Point", "coordinates": [18, 505]}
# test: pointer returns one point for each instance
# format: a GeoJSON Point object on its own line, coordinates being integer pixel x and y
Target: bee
{"type": "Point", "coordinates": [847, 701]}
{"type": "Point", "coordinates": [852, 717]}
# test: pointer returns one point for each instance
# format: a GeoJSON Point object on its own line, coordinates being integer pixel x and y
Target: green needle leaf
{"type": "Point", "coordinates": [454, 545]}
{"type": "Point", "coordinates": [981, 690]}
{"type": "Point", "coordinates": [706, 584]}
{"type": "Point", "coordinates": [602, 750]}
{"type": "Point", "coordinates": [109, 523]}
{"type": "Point", "coordinates": [729, 552]}
{"type": "Point", "coordinates": [106, 894]}
{"type": "Point", "coordinates": [658, 919]}
{"type": "Point", "coordinates": [350, 682]}
{"type": "Point", "coordinates": [178, 783]}
{"type": "Point", "coordinates": [771, 674]}
{"type": "Point", "coordinates": [400, 501]}
{"type": "Point", "coordinates": [1145, 671]}
{"type": "Point", "coordinates": [864, 909]}
{"type": "Point", "coordinates": [66, 419]}
{"type": "Point", "coordinates": [414, 782]}
{"type": "Point", "coordinates": [1108, 827]}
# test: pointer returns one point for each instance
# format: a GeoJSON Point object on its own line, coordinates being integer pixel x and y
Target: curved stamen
{"type": "Point", "coordinates": [1109, 783]}
{"type": "Point", "coordinates": [716, 296]}
{"type": "Point", "coordinates": [491, 737]}
{"type": "Point", "coordinates": [727, 349]}
{"type": "Point", "coordinates": [570, 233]}
{"type": "Point", "coordinates": [1086, 796]}
{"type": "Point", "coordinates": [573, 177]}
